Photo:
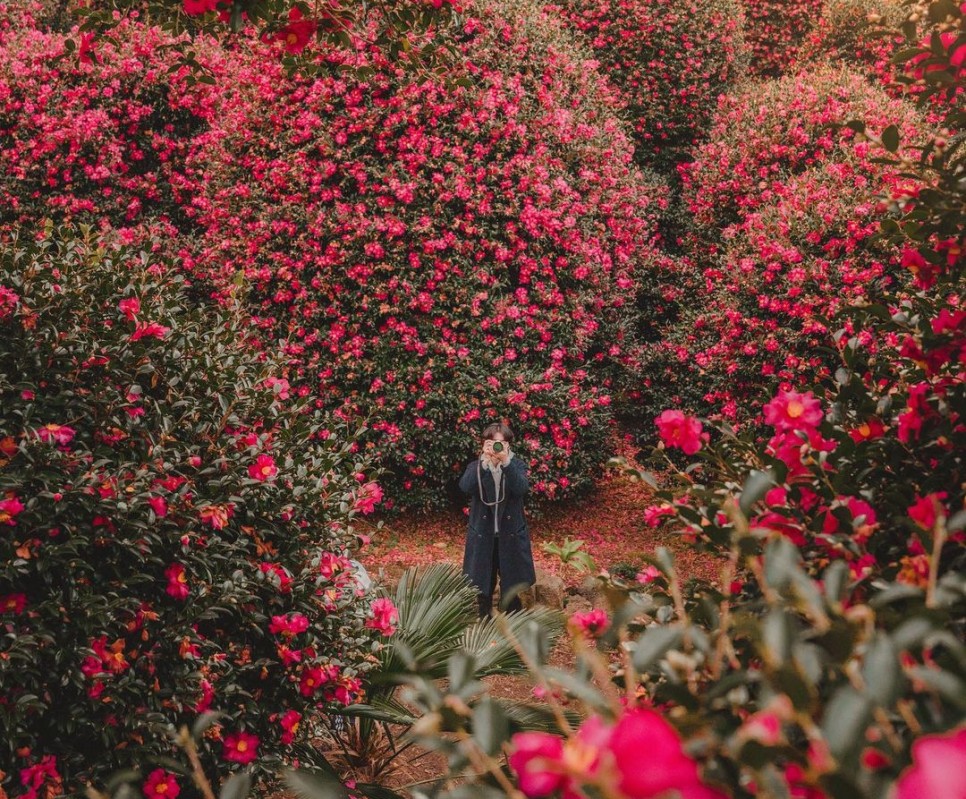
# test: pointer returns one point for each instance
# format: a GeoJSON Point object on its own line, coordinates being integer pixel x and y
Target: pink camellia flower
{"type": "Point", "coordinates": [368, 497]}
{"type": "Point", "coordinates": [13, 603]}
{"type": "Point", "coordinates": [240, 748]}
{"type": "Point", "coordinates": [177, 581]}
{"type": "Point", "coordinates": [790, 410]}
{"type": "Point", "coordinates": [923, 510]}
{"type": "Point", "coordinates": [648, 575]}
{"type": "Point", "coordinates": [130, 307]}
{"type": "Point", "coordinates": [217, 515]}
{"type": "Point", "coordinates": [591, 622]}
{"type": "Point", "coordinates": [937, 768]}
{"type": "Point", "coordinates": [537, 760]}
{"type": "Point", "coordinates": [292, 624]}
{"type": "Point", "coordinates": [194, 8]}
{"type": "Point", "coordinates": [263, 468]}
{"type": "Point", "coordinates": [149, 330]}
{"type": "Point", "coordinates": [681, 431]}
{"type": "Point", "coordinates": [59, 434]}
{"type": "Point", "coordinates": [384, 616]}
{"type": "Point", "coordinates": [290, 725]}
{"type": "Point", "coordinates": [279, 574]}
{"type": "Point", "coordinates": [161, 784]}
{"type": "Point", "coordinates": [10, 508]}
{"type": "Point", "coordinates": [8, 302]}
{"type": "Point", "coordinates": [665, 769]}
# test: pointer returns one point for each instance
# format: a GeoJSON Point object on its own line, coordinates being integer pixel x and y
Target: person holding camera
{"type": "Point", "coordinates": [497, 539]}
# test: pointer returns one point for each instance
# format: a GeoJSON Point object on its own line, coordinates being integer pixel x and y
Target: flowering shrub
{"type": "Point", "coordinates": [92, 130]}
{"type": "Point", "coordinates": [785, 235]}
{"type": "Point", "coordinates": [173, 539]}
{"type": "Point", "coordinates": [775, 30]}
{"type": "Point", "coordinates": [437, 257]}
{"type": "Point", "coordinates": [669, 62]}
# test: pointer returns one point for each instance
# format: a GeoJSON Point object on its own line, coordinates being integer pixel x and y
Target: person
{"type": "Point", "coordinates": [497, 538]}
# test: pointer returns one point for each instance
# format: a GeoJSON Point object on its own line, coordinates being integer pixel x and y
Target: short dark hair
{"type": "Point", "coordinates": [501, 428]}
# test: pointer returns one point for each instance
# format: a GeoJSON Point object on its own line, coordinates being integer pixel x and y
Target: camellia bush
{"type": "Point", "coordinates": [175, 538]}
{"type": "Point", "coordinates": [93, 128]}
{"type": "Point", "coordinates": [785, 235]}
{"type": "Point", "coordinates": [669, 63]}
{"type": "Point", "coordinates": [437, 256]}
{"type": "Point", "coordinates": [775, 31]}
{"type": "Point", "coordinates": [435, 253]}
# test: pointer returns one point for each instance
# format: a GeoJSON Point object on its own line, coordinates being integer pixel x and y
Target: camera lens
{"type": "Point", "coordinates": [498, 446]}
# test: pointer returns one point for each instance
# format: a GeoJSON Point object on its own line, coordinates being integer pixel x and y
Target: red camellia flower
{"type": "Point", "coordinates": [9, 509]}
{"type": "Point", "coordinates": [13, 603]}
{"type": "Point", "coordinates": [130, 307]}
{"type": "Point", "coordinates": [217, 516]}
{"type": "Point", "coordinates": [289, 625]}
{"type": "Point", "coordinates": [790, 410]}
{"type": "Point", "coordinates": [177, 581]}
{"type": "Point", "coordinates": [196, 8]}
{"type": "Point", "coordinates": [937, 768]}
{"type": "Point", "coordinates": [667, 768]}
{"type": "Point", "coordinates": [678, 430]}
{"type": "Point", "coordinates": [161, 784]}
{"type": "Point", "coordinates": [923, 510]}
{"type": "Point", "coordinates": [384, 616]}
{"type": "Point", "coordinates": [159, 505]}
{"type": "Point", "coordinates": [149, 330]}
{"type": "Point", "coordinates": [867, 431]}
{"type": "Point", "coordinates": [297, 33]}
{"type": "Point", "coordinates": [241, 748]}
{"type": "Point", "coordinates": [263, 468]}
{"type": "Point", "coordinates": [536, 759]}
{"type": "Point", "coordinates": [290, 725]}
{"type": "Point", "coordinates": [610, 757]}
{"type": "Point", "coordinates": [592, 622]}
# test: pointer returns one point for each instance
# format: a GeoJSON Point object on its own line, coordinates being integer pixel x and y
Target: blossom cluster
{"type": "Point", "coordinates": [775, 31]}
{"type": "Point", "coordinates": [173, 538]}
{"type": "Point", "coordinates": [785, 234]}
{"type": "Point", "coordinates": [668, 61]}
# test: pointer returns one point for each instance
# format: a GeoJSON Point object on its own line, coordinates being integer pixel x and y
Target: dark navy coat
{"type": "Point", "coordinates": [515, 554]}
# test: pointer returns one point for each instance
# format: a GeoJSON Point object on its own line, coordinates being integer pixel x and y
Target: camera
{"type": "Point", "coordinates": [498, 446]}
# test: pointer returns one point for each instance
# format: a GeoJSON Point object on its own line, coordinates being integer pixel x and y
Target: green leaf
{"type": "Point", "coordinates": [846, 717]}
{"type": "Point", "coordinates": [490, 726]}
{"type": "Point", "coordinates": [836, 579]}
{"type": "Point", "coordinates": [654, 644]}
{"type": "Point", "coordinates": [881, 671]}
{"type": "Point", "coordinates": [776, 637]}
{"type": "Point", "coordinates": [755, 487]}
{"type": "Point", "coordinates": [308, 784]}
{"type": "Point", "coordinates": [782, 560]}
{"type": "Point", "coordinates": [890, 138]}
{"type": "Point", "coordinates": [236, 786]}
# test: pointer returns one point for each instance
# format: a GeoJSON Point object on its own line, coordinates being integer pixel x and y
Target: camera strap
{"type": "Point", "coordinates": [501, 493]}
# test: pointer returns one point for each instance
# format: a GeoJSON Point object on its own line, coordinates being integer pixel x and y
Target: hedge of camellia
{"type": "Point", "coordinates": [173, 540]}
{"type": "Point", "coordinates": [436, 256]}
{"type": "Point", "coordinates": [780, 197]}
{"type": "Point", "coordinates": [775, 30]}
{"type": "Point", "coordinates": [92, 128]}
{"type": "Point", "coordinates": [669, 62]}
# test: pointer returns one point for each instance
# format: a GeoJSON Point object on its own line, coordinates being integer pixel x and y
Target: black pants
{"type": "Point", "coordinates": [486, 600]}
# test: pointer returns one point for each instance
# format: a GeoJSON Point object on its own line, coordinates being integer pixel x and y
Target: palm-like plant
{"type": "Point", "coordinates": [438, 636]}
